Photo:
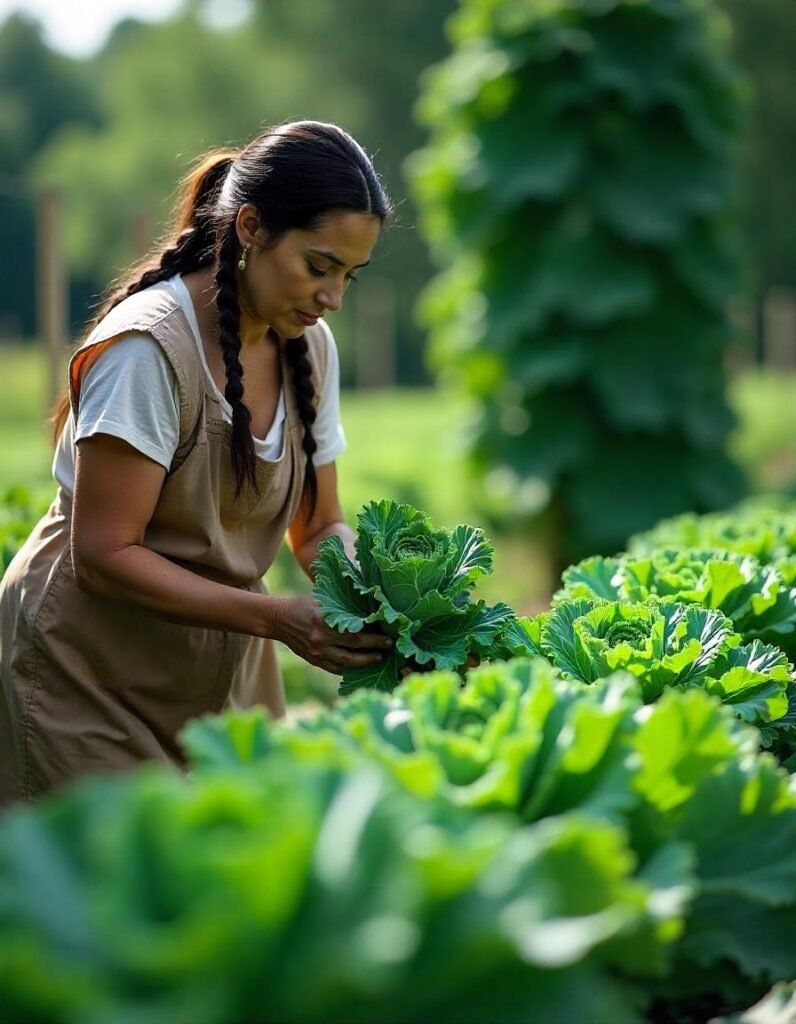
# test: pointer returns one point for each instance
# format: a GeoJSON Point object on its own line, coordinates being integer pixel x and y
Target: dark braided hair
{"type": "Point", "coordinates": [294, 175]}
{"type": "Point", "coordinates": [243, 453]}
{"type": "Point", "coordinates": [305, 394]}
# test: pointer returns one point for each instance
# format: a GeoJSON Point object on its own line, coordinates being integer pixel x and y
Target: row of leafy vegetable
{"type": "Point", "coordinates": [707, 823]}
{"type": "Point", "coordinates": [589, 831]}
{"type": "Point", "coordinates": [719, 618]}
{"type": "Point", "coordinates": [520, 848]}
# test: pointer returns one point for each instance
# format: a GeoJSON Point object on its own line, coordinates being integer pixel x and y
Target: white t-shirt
{"type": "Point", "coordinates": [131, 392]}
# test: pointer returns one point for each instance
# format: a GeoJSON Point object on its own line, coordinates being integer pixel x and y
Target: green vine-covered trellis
{"type": "Point", "coordinates": [577, 191]}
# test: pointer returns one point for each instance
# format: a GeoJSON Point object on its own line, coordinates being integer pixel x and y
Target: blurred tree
{"type": "Point", "coordinates": [159, 113]}
{"type": "Point", "coordinates": [577, 189]}
{"type": "Point", "coordinates": [40, 92]}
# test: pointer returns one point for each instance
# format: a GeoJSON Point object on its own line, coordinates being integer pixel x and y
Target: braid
{"type": "Point", "coordinates": [296, 353]}
{"type": "Point", "coordinates": [244, 460]}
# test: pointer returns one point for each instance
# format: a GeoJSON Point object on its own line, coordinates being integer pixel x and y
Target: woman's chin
{"type": "Point", "coordinates": [290, 330]}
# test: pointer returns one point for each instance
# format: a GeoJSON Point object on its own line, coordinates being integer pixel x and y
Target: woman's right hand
{"type": "Point", "coordinates": [299, 624]}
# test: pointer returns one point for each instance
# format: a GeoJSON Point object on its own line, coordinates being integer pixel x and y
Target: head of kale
{"type": "Point", "coordinates": [412, 582]}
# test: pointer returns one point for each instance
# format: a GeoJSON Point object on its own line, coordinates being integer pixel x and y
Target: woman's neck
{"type": "Point", "coordinates": [202, 288]}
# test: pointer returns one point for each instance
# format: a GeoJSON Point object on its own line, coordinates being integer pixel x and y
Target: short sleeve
{"type": "Point", "coordinates": [328, 430]}
{"type": "Point", "coordinates": [131, 392]}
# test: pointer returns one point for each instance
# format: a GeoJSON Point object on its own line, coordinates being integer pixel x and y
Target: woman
{"type": "Point", "coordinates": [200, 428]}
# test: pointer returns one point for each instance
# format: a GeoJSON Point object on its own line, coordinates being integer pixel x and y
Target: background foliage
{"type": "Point", "coordinates": [577, 191]}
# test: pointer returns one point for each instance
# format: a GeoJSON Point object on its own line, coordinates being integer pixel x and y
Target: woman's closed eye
{"type": "Point", "coordinates": [318, 272]}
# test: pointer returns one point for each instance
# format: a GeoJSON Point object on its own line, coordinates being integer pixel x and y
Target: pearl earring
{"type": "Point", "coordinates": [244, 256]}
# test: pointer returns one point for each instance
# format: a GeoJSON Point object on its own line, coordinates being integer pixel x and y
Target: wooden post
{"type": "Point", "coordinates": [374, 334]}
{"type": "Point", "coordinates": [51, 289]}
{"type": "Point", "coordinates": [779, 312]}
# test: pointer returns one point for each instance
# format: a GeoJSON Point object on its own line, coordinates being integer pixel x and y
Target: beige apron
{"type": "Point", "coordinates": [89, 684]}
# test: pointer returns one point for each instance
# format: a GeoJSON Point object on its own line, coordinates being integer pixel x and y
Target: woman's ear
{"type": "Point", "coordinates": [247, 224]}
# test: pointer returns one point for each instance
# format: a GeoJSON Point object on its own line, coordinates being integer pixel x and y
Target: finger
{"type": "Point", "coordinates": [365, 641]}
{"type": "Point", "coordinates": [343, 657]}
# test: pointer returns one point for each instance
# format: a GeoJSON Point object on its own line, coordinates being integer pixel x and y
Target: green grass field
{"type": "Point", "coordinates": [24, 448]}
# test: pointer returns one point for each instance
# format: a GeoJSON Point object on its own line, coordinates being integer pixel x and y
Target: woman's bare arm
{"type": "Point", "coordinates": [116, 491]}
{"type": "Point", "coordinates": [304, 536]}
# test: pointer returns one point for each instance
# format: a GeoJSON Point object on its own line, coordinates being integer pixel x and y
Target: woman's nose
{"type": "Point", "coordinates": [331, 296]}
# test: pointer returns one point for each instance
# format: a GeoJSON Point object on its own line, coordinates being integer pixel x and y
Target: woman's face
{"type": "Point", "coordinates": [306, 273]}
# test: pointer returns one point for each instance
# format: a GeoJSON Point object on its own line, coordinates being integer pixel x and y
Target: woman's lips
{"type": "Point", "coordinates": [308, 321]}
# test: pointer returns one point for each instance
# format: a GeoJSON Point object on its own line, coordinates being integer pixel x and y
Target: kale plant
{"type": "Point", "coordinates": [665, 644]}
{"type": "Point", "coordinates": [757, 598]}
{"type": "Point", "coordinates": [764, 526]}
{"type": "Point", "coordinates": [413, 583]}
{"type": "Point", "coordinates": [708, 817]}
{"type": "Point", "coordinates": [309, 888]}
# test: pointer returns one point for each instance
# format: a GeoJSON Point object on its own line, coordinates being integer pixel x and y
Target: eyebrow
{"type": "Point", "coordinates": [335, 259]}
